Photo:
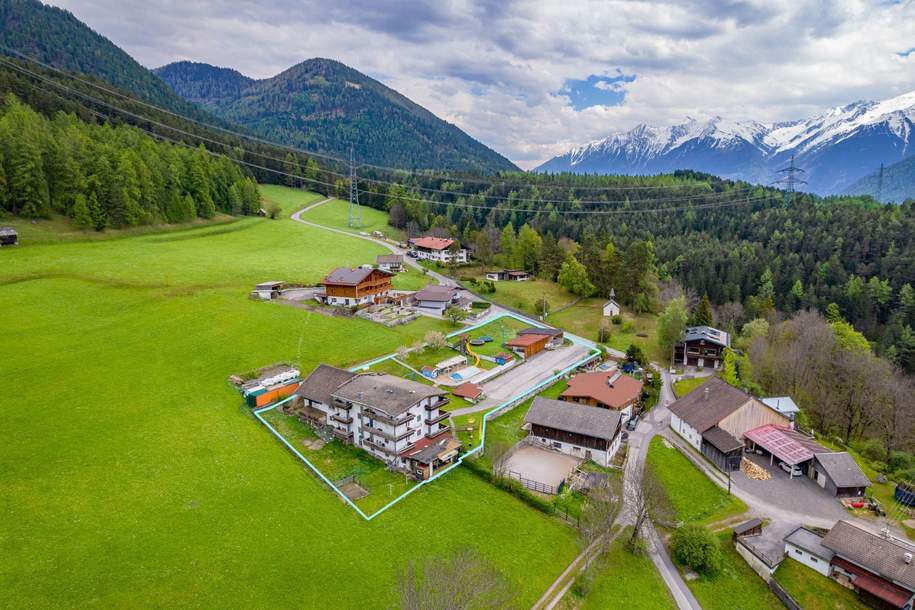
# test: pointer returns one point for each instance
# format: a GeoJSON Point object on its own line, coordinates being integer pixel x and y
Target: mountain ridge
{"type": "Point", "coordinates": [326, 106]}
{"type": "Point", "coordinates": [835, 148]}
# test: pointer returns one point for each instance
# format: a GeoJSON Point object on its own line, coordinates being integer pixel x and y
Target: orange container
{"type": "Point", "coordinates": [270, 397]}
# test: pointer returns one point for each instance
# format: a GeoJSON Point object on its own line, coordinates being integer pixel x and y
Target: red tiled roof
{"type": "Point", "coordinates": [467, 390]}
{"type": "Point", "coordinates": [526, 340]}
{"type": "Point", "coordinates": [432, 243]}
{"type": "Point", "coordinates": [596, 385]}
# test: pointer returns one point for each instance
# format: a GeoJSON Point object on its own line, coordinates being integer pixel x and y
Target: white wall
{"type": "Point", "coordinates": [811, 561]}
{"type": "Point", "coordinates": [602, 458]}
{"type": "Point", "coordinates": [687, 432]}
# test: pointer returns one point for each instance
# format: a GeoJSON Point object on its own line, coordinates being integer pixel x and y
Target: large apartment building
{"type": "Point", "coordinates": [395, 420]}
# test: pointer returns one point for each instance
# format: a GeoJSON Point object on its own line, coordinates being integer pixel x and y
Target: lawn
{"type": "Point", "coordinates": [692, 495]}
{"type": "Point", "coordinates": [503, 329]}
{"type": "Point", "coordinates": [335, 213]}
{"type": "Point", "coordinates": [524, 295]}
{"type": "Point", "coordinates": [623, 580]}
{"type": "Point", "coordinates": [685, 386]}
{"type": "Point", "coordinates": [812, 590]}
{"type": "Point", "coordinates": [736, 587]}
{"type": "Point", "coordinates": [134, 476]}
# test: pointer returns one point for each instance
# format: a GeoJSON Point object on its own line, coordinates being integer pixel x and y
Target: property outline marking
{"type": "Point", "coordinates": [508, 404]}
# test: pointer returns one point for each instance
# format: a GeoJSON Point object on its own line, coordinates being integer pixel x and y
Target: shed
{"type": "Point", "coordinates": [8, 236]}
{"type": "Point", "coordinates": [528, 345]}
{"type": "Point", "coordinates": [468, 390]}
{"type": "Point", "coordinates": [839, 474]}
{"type": "Point", "coordinates": [753, 527]}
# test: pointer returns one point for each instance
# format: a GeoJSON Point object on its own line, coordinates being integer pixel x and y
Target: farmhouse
{"type": "Point", "coordinates": [607, 390]}
{"type": "Point", "coordinates": [878, 568]}
{"type": "Point", "coordinates": [508, 275]}
{"type": "Point", "coordinates": [392, 263]}
{"type": "Point", "coordinates": [556, 336]}
{"type": "Point", "coordinates": [702, 346]}
{"type": "Point", "coordinates": [437, 299]}
{"type": "Point", "coordinates": [528, 345]}
{"type": "Point", "coordinates": [439, 249]}
{"type": "Point", "coordinates": [577, 430]}
{"type": "Point", "coordinates": [8, 236]}
{"type": "Point", "coordinates": [714, 417]}
{"type": "Point", "coordinates": [360, 286]}
{"type": "Point", "coordinates": [390, 418]}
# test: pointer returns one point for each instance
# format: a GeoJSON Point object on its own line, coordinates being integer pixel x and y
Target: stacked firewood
{"type": "Point", "coordinates": [754, 471]}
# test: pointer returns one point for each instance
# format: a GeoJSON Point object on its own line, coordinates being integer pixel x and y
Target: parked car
{"type": "Point", "coordinates": [792, 470]}
{"type": "Point", "coordinates": [411, 254]}
{"type": "Point", "coordinates": [632, 423]}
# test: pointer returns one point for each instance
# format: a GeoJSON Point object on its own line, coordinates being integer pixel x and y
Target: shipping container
{"type": "Point", "coordinates": [271, 395]}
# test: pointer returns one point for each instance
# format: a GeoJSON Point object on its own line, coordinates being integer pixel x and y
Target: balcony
{"type": "Point", "coordinates": [342, 419]}
{"type": "Point", "coordinates": [435, 420]}
{"type": "Point", "coordinates": [441, 402]}
{"type": "Point", "coordinates": [343, 435]}
{"type": "Point", "coordinates": [342, 404]}
{"type": "Point", "coordinates": [388, 435]}
{"type": "Point", "coordinates": [383, 417]}
{"type": "Point", "coordinates": [439, 432]}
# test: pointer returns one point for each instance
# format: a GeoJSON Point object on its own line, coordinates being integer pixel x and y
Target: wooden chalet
{"type": "Point", "coordinates": [361, 286]}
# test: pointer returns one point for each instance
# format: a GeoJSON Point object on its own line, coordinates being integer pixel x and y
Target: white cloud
{"type": "Point", "coordinates": [495, 68]}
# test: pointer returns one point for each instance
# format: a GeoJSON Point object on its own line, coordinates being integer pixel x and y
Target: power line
{"type": "Point", "coordinates": [354, 212]}
{"type": "Point", "coordinates": [421, 173]}
{"type": "Point", "coordinates": [791, 179]}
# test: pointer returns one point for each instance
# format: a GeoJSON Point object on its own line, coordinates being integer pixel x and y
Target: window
{"type": "Point", "coordinates": [798, 552]}
{"type": "Point", "coordinates": [813, 560]}
{"type": "Point", "coordinates": [557, 445]}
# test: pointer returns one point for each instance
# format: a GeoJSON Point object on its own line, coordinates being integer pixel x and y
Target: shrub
{"type": "Point", "coordinates": [274, 211]}
{"type": "Point", "coordinates": [696, 546]}
{"type": "Point", "coordinates": [542, 305]}
{"type": "Point", "coordinates": [617, 319]}
{"type": "Point", "coordinates": [628, 326]}
{"type": "Point", "coordinates": [435, 340]}
{"type": "Point", "coordinates": [871, 448]}
{"type": "Point", "coordinates": [900, 460]}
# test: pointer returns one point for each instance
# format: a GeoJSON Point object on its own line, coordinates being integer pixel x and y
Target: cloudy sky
{"type": "Point", "coordinates": [533, 78]}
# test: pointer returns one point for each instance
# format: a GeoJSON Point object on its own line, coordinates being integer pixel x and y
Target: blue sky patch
{"type": "Point", "coordinates": [597, 90]}
{"type": "Point", "coordinates": [906, 53]}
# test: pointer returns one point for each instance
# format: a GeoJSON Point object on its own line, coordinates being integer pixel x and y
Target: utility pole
{"type": "Point", "coordinates": [880, 184]}
{"type": "Point", "coordinates": [791, 178]}
{"type": "Point", "coordinates": [354, 219]}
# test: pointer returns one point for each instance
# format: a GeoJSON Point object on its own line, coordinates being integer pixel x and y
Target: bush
{"type": "Point", "coordinates": [603, 334]}
{"type": "Point", "coordinates": [480, 305]}
{"type": "Point", "coordinates": [628, 326]}
{"type": "Point", "coordinates": [542, 305]}
{"type": "Point", "coordinates": [696, 546]}
{"type": "Point", "coordinates": [872, 449]}
{"type": "Point", "coordinates": [486, 286]}
{"type": "Point", "coordinates": [617, 319]}
{"type": "Point", "coordinates": [468, 279]}
{"type": "Point", "coordinates": [900, 460]}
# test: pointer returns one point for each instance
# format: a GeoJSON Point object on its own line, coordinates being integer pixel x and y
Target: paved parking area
{"type": "Point", "coordinates": [541, 465]}
{"type": "Point", "coordinates": [799, 495]}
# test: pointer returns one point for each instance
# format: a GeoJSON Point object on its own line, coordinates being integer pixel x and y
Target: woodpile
{"type": "Point", "coordinates": [753, 471]}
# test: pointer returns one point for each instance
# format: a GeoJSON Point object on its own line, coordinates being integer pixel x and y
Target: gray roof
{"type": "Point", "coordinates": [8, 231]}
{"type": "Point", "coordinates": [746, 526]}
{"type": "Point", "coordinates": [842, 469]}
{"type": "Point", "coordinates": [536, 330]}
{"type": "Point", "coordinates": [574, 417]}
{"type": "Point", "coordinates": [708, 404]}
{"type": "Point", "coordinates": [809, 541]}
{"type": "Point", "coordinates": [322, 382]}
{"type": "Point", "coordinates": [436, 293]}
{"type": "Point", "coordinates": [722, 440]}
{"type": "Point", "coordinates": [709, 334]}
{"type": "Point", "coordinates": [885, 556]}
{"type": "Point", "coordinates": [385, 393]}
{"type": "Point", "coordinates": [389, 258]}
{"type": "Point", "coordinates": [348, 277]}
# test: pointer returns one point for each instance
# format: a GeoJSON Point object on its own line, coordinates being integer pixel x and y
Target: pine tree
{"type": "Point", "coordinates": [96, 212]}
{"type": "Point", "coordinates": [703, 315]}
{"type": "Point", "coordinates": [82, 216]}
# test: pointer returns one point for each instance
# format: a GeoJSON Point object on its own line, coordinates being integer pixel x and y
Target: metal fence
{"type": "Point", "coordinates": [534, 485]}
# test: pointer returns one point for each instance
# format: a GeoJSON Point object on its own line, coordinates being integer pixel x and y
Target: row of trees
{"type": "Point", "coordinates": [103, 176]}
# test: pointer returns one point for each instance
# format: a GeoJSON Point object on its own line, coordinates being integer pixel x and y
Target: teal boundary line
{"type": "Point", "coordinates": [486, 416]}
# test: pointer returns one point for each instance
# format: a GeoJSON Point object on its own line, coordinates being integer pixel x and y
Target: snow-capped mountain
{"type": "Point", "coordinates": [835, 148]}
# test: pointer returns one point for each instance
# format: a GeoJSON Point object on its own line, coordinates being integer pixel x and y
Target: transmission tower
{"type": "Point", "coordinates": [355, 212]}
{"type": "Point", "coordinates": [880, 184]}
{"type": "Point", "coordinates": [791, 178]}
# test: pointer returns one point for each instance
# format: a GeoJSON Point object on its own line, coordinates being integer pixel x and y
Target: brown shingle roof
{"type": "Point", "coordinates": [596, 385]}
{"type": "Point", "coordinates": [526, 340]}
{"type": "Point", "coordinates": [467, 390]}
{"type": "Point", "coordinates": [885, 556]}
{"type": "Point", "coordinates": [322, 382]}
{"type": "Point", "coordinates": [436, 292]}
{"type": "Point", "coordinates": [721, 440]}
{"type": "Point", "coordinates": [708, 404]}
{"type": "Point", "coordinates": [344, 276]}
{"type": "Point", "coordinates": [537, 330]}
{"type": "Point", "coordinates": [573, 417]}
{"type": "Point", "coordinates": [843, 469]}
{"type": "Point", "coordinates": [385, 393]}
{"type": "Point", "coordinates": [432, 243]}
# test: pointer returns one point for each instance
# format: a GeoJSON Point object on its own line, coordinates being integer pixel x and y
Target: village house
{"type": "Point", "coordinates": [877, 567]}
{"type": "Point", "coordinates": [361, 286]}
{"type": "Point", "coordinates": [437, 249]}
{"type": "Point", "coordinates": [607, 390]}
{"type": "Point", "coordinates": [436, 299]}
{"type": "Point", "coordinates": [8, 236]}
{"type": "Point", "coordinates": [396, 420]}
{"type": "Point", "coordinates": [702, 346]}
{"type": "Point", "coordinates": [508, 275]}
{"type": "Point", "coordinates": [714, 417]}
{"type": "Point", "coordinates": [578, 430]}
{"type": "Point", "coordinates": [392, 263]}
{"type": "Point", "coordinates": [468, 391]}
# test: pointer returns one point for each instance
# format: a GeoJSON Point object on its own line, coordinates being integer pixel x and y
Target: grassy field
{"type": "Point", "coordinates": [685, 386]}
{"type": "Point", "coordinates": [692, 495]}
{"type": "Point", "coordinates": [736, 587]}
{"type": "Point", "coordinates": [134, 476]}
{"type": "Point", "coordinates": [622, 580]}
{"type": "Point", "coordinates": [335, 214]}
{"type": "Point", "coordinates": [524, 295]}
{"type": "Point", "coordinates": [813, 591]}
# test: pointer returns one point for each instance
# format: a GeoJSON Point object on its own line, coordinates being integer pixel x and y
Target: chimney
{"type": "Point", "coordinates": [908, 558]}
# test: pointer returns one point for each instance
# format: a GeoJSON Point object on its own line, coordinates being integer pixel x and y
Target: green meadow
{"type": "Point", "coordinates": [133, 474]}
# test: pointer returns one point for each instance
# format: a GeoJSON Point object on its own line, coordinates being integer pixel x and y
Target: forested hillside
{"type": "Point", "coordinates": [56, 37]}
{"type": "Point", "coordinates": [324, 106]}
{"type": "Point", "coordinates": [102, 176]}
{"type": "Point", "coordinates": [896, 185]}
